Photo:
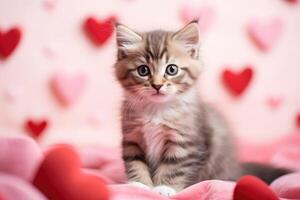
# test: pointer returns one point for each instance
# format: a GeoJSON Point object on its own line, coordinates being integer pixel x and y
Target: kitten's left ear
{"type": "Point", "coordinates": [189, 38]}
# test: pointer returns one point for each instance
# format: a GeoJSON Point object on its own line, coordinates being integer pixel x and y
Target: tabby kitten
{"type": "Point", "coordinates": [171, 139]}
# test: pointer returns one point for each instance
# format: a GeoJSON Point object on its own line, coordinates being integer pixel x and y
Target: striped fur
{"type": "Point", "coordinates": [177, 140]}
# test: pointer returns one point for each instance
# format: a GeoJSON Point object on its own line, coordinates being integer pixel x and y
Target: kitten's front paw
{"type": "Point", "coordinates": [140, 185]}
{"type": "Point", "coordinates": [164, 190]}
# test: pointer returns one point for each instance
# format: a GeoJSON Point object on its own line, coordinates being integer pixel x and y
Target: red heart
{"type": "Point", "coordinates": [252, 188]}
{"type": "Point", "coordinates": [60, 177]}
{"type": "Point", "coordinates": [292, 1]}
{"type": "Point", "coordinates": [36, 128]}
{"type": "Point", "coordinates": [99, 32]}
{"type": "Point", "coordinates": [298, 120]}
{"type": "Point", "coordinates": [9, 41]}
{"type": "Point", "coordinates": [237, 82]}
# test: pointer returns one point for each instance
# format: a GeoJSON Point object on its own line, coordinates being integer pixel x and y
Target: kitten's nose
{"type": "Point", "coordinates": [157, 87]}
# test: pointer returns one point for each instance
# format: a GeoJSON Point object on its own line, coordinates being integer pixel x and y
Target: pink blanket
{"type": "Point", "coordinates": [20, 158]}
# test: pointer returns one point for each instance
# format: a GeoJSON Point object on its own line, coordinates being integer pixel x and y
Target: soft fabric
{"type": "Point", "coordinates": [19, 156]}
{"type": "Point", "coordinates": [15, 188]}
{"type": "Point", "coordinates": [206, 190]}
{"type": "Point", "coordinates": [1, 197]}
{"type": "Point", "coordinates": [106, 163]}
{"type": "Point", "coordinates": [284, 152]}
{"type": "Point", "coordinates": [287, 186]}
{"type": "Point", "coordinates": [60, 177]}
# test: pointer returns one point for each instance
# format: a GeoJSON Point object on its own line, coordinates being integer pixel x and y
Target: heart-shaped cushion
{"type": "Point", "coordinates": [252, 188]}
{"type": "Point", "coordinates": [237, 82]}
{"type": "Point", "coordinates": [60, 177]}
{"type": "Point", "coordinates": [99, 31]}
{"type": "Point", "coordinates": [9, 41]}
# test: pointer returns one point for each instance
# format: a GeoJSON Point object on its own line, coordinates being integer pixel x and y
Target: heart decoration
{"type": "Point", "coordinates": [9, 41]}
{"type": "Point", "coordinates": [36, 127]}
{"type": "Point", "coordinates": [292, 1]}
{"type": "Point", "coordinates": [99, 31]}
{"type": "Point", "coordinates": [49, 5]}
{"type": "Point", "coordinates": [265, 34]}
{"type": "Point", "coordinates": [298, 120]}
{"type": "Point", "coordinates": [237, 82]}
{"type": "Point", "coordinates": [205, 16]}
{"type": "Point", "coordinates": [49, 51]}
{"type": "Point", "coordinates": [274, 102]}
{"type": "Point", "coordinates": [68, 88]}
{"type": "Point", "coordinates": [94, 120]}
{"type": "Point", "coordinates": [252, 188]}
{"type": "Point", "coordinates": [60, 177]}
{"type": "Point", "coordinates": [9, 96]}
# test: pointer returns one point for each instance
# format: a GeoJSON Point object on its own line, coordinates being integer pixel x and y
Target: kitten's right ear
{"type": "Point", "coordinates": [127, 38]}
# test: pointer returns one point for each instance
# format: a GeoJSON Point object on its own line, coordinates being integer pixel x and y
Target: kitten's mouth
{"type": "Point", "coordinates": [158, 94]}
{"type": "Point", "coordinates": [159, 97]}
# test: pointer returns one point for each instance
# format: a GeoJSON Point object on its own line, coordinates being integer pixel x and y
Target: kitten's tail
{"type": "Point", "coordinates": [267, 173]}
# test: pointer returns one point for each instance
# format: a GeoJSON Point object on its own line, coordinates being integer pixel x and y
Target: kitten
{"type": "Point", "coordinates": [171, 139]}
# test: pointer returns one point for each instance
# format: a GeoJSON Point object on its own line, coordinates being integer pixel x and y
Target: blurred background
{"type": "Point", "coordinates": [57, 56]}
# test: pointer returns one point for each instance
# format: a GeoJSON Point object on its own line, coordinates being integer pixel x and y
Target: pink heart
{"type": "Point", "coordinates": [48, 52]}
{"type": "Point", "coordinates": [274, 102]}
{"type": "Point", "coordinates": [265, 34]}
{"type": "Point", "coordinates": [68, 88]}
{"type": "Point", "coordinates": [205, 15]}
{"type": "Point", "coordinates": [94, 120]}
{"type": "Point", "coordinates": [49, 5]}
{"type": "Point", "coordinates": [10, 96]}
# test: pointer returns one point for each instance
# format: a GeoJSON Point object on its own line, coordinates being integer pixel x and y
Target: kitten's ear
{"type": "Point", "coordinates": [188, 35]}
{"type": "Point", "coordinates": [188, 38]}
{"type": "Point", "coordinates": [126, 37]}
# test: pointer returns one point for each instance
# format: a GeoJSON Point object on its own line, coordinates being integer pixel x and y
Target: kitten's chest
{"type": "Point", "coordinates": [156, 131]}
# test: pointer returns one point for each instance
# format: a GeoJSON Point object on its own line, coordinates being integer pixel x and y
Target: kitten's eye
{"type": "Point", "coordinates": [172, 69]}
{"type": "Point", "coordinates": [143, 70]}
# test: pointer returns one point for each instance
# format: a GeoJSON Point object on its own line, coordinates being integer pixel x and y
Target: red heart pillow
{"type": "Point", "coordinates": [60, 177]}
{"type": "Point", "coordinates": [99, 31]}
{"type": "Point", "coordinates": [252, 188]}
{"type": "Point", "coordinates": [237, 82]}
{"type": "Point", "coordinates": [9, 41]}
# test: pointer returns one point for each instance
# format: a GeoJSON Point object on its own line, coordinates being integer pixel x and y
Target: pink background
{"type": "Point", "coordinates": [53, 42]}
